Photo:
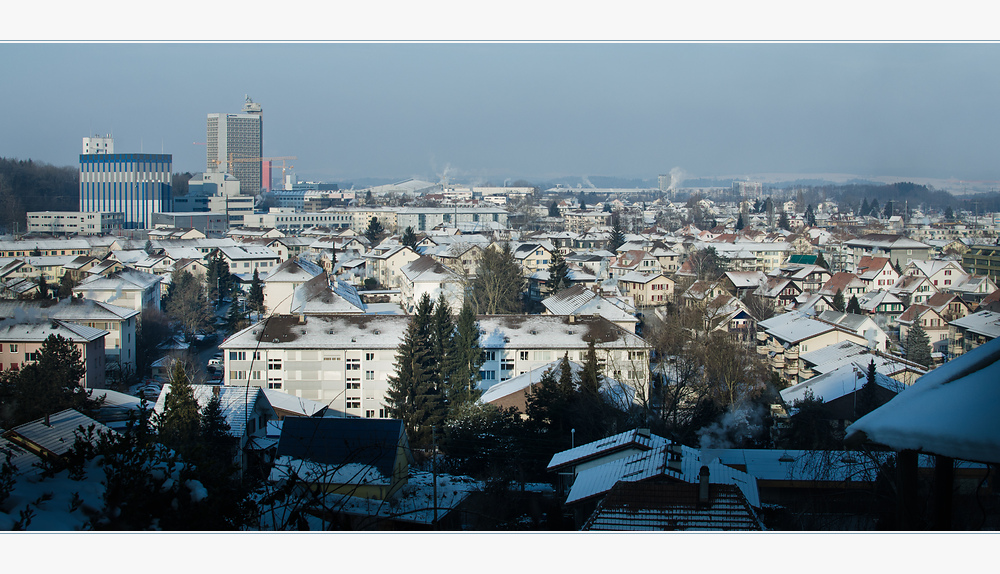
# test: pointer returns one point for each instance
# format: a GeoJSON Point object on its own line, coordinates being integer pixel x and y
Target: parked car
{"type": "Point", "coordinates": [215, 362]}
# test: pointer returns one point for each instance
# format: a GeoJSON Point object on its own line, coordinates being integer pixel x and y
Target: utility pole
{"type": "Point", "coordinates": [434, 523]}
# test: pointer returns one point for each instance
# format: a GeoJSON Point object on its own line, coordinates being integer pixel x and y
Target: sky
{"type": "Point", "coordinates": [492, 111]}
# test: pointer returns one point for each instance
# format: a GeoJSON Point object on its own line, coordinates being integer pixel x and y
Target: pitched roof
{"type": "Point", "coordinates": [632, 506]}
{"type": "Point", "coordinates": [238, 403]}
{"type": "Point", "coordinates": [340, 441]}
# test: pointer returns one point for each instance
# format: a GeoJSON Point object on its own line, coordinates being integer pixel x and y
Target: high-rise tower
{"type": "Point", "coordinates": [232, 137]}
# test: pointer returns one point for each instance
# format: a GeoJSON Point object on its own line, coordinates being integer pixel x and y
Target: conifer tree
{"type": "Point", "coordinates": [180, 422]}
{"type": "Point", "coordinates": [52, 383]}
{"type": "Point", "coordinates": [867, 399]}
{"type": "Point", "coordinates": [235, 318]}
{"type": "Point", "coordinates": [558, 273]}
{"type": "Point", "coordinates": [255, 298]}
{"type": "Point", "coordinates": [499, 284]}
{"type": "Point", "coordinates": [414, 395]}
{"type": "Point", "coordinates": [549, 402]}
{"type": "Point", "coordinates": [810, 216]}
{"type": "Point", "coordinates": [865, 209]}
{"type": "Point", "coordinates": [918, 345]}
{"type": "Point", "coordinates": [66, 285]}
{"type": "Point", "coordinates": [617, 238]}
{"type": "Point", "coordinates": [43, 288]}
{"type": "Point", "coordinates": [590, 375]}
{"type": "Point", "coordinates": [783, 222]}
{"type": "Point", "coordinates": [467, 357]}
{"type": "Point", "coordinates": [874, 209]}
{"type": "Point", "coordinates": [375, 231]}
{"type": "Point", "coordinates": [554, 209]}
{"type": "Point", "coordinates": [854, 306]}
{"type": "Point", "coordinates": [442, 340]}
{"type": "Point", "coordinates": [739, 223]}
{"type": "Point", "coordinates": [409, 238]}
{"type": "Point", "coordinates": [838, 302]}
{"type": "Point", "coordinates": [821, 261]}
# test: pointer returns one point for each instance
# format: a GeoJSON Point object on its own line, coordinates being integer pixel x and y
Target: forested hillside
{"type": "Point", "coordinates": [27, 185]}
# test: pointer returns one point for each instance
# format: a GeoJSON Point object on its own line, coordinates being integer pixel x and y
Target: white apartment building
{"type": "Point", "coordinates": [289, 220]}
{"type": "Point", "coordinates": [75, 222]}
{"type": "Point", "coordinates": [345, 360]}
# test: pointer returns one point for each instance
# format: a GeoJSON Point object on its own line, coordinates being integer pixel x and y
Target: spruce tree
{"type": "Point", "coordinates": [467, 357]}
{"type": "Point", "coordinates": [739, 223]}
{"type": "Point", "coordinates": [810, 216]}
{"type": "Point", "coordinates": [255, 298]}
{"type": "Point", "coordinates": [854, 306]}
{"type": "Point", "coordinates": [874, 209]}
{"type": "Point", "coordinates": [180, 423]}
{"type": "Point", "coordinates": [548, 405]}
{"type": "Point", "coordinates": [821, 262]}
{"type": "Point", "coordinates": [783, 222]}
{"type": "Point", "coordinates": [558, 273]}
{"type": "Point", "coordinates": [43, 288]}
{"type": "Point", "coordinates": [838, 302]}
{"type": "Point", "coordinates": [52, 383]}
{"type": "Point", "coordinates": [554, 209]}
{"type": "Point", "coordinates": [66, 285]}
{"type": "Point", "coordinates": [413, 395]}
{"type": "Point", "coordinates": [865, 209]}
{"type": "Point", "coordinates": [617, 238]}
{"type": "Point", "coordinates": [409, 238]}
{"type": "Point", "coordinates": [375, 231]}
{"type": "Point", "coordinates": [442, 341]}
{"type": "Point", "coordinates": [867, 398]}
{"type": "Point", "coordinates": [918, 345]}
{"type": "Point", "coordinates": [186, 303]}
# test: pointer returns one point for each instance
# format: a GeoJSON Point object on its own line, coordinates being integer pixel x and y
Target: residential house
{"type": "Point", "coordinates": [969, 332]}
{"type": "Point", "coordinates": [899, 249]}
{"type": "Point", "coordinates": [877, 272]}
{"type": "Point", "coordinates": [128, 289]}
{"type": "Point", "coordinates": [930, 321]}
{"type": "Point", "coordinates": [384, 262]}
{"type": "Point", "coordinates": [647, 289]}
{"type": "Point", "coordinates": [282, 281]}
{"type": "Point", "coordinates": [578, 300]}
{"type": "Point", "coordinates": [246, 411]}
{"type": "Point", "coordinates": [21, 341]}
{"type": "Point", "coordinates": [514, 393]}
{"type": "Point", "coordinates": [361, 458]}
{"type": "Point", "coordinates": [425, 276]}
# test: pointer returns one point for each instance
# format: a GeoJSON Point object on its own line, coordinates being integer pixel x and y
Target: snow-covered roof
{"type": "Point", "coordinates": [793, 327]}
{"type": "Point", "coordinates": [985, 323]}
{"type": "Point", "coordinates": [837, 383]}
{"type": "Point", "coordinates": [598, 480]}
{"type": "Point", "coordinates": [238, 403]}
{"type": "Point", "coordinates": [950, 411]}
{"type": "Point", "coordinates": [618, 394]}
{"type": "Point", "coordinates": [635, 438]}
{"type": "Point", "coordinates": [294, 270]}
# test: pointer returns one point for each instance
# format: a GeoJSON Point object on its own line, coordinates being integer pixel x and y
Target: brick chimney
{"type": "Point", "coordinates": [703, 486]}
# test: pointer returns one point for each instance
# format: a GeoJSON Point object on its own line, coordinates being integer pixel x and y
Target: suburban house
{"type": "Point", "coordinates": [783, 337]}
{"type": "Point", "coordinates": [356, 457]}
{"type": "Point", "coordinates": [282, 281]}
{"type": "Point", "coordinates": [384, 262]}
{"type": "Point", "coordinates": [647, 289]}
{"type": "Point", "coordinates": [899, 249]}
{"type": "Point", "coordinates": [120, 322]}
{"type": "Point", "coordinates": [930, 321]}
{"type": "Point", "coordinates": [578, 300]}
{"type": "Point", "coordinates": [128, 289]}
{"type": "Point", "coordinates": [877, 272]}
{"type": "Point", "coordinates": [426, 276]}
{"type": "Point", "coordinates": [20, 343]}
{"type": "Point", "coordinates": [967, 333]}
{"type": "Point", "coordinates": [246, 411]}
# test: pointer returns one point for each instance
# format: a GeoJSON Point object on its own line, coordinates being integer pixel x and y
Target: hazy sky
{"type": "Point", "coordinates": [534, 111]}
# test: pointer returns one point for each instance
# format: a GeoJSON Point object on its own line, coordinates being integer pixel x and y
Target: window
{"type": "Point", "coordinates": [369, 356]}
{"type": "Point", "coordinates": [507, 365]}
{"type": "Point", "coordinates": [369, 414]}
{"type": "Point", "coordinates": [256, 375]}
{"type": "Point", "coordinates": [487, 375]}
{"type": "Point", "coordinates": [489, 355]}
{"type": "Point", "coordinates": [256, 355]}
{"type": "Point", "coordinates": [237, 375]}
{"type": "Point", "coordinates": [274, 364]}
{"type": "Point", "coordinates": [237, 355]}
{"type": "Point", "coordinates": [353, 385]}
{"type": "Point", "coordinates": [369, 375]}
{"type": "Point", "coordinates": [524, 355]}
{"type": "Point", "coordinates": [353, 364]}
{"type": "Point", "coordinates": [381, 413]}
{"type": "Point", "coordinates": [354, 402]}
{"type": "Point", "coordinates": [13, 348]}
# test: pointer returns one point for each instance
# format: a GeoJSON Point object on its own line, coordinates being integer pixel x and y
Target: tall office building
{"type": "Point", "coordinates": [234, 137]}
{"type": "Point", "coordinates": [135, 184]}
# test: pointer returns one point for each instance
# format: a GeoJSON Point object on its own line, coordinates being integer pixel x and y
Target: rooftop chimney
{"type": "Point", "coordinates": [703, 486]}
